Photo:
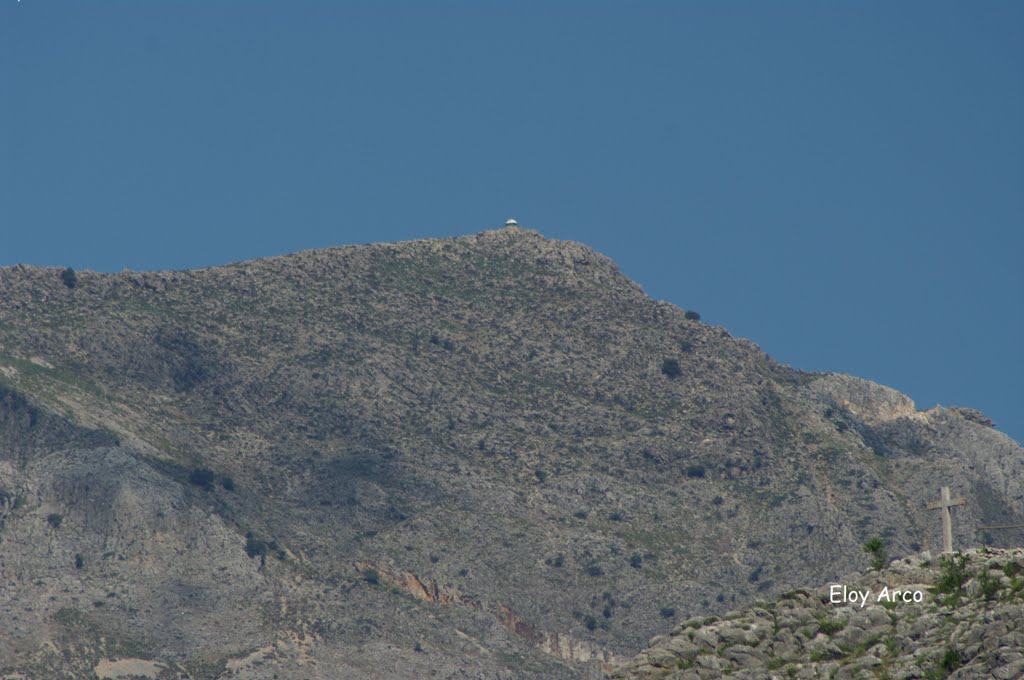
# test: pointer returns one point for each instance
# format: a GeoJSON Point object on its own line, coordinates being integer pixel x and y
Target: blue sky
{"type": "Point", "coordinates": [842, 183]}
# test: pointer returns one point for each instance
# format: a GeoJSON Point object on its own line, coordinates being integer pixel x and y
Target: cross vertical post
{"type": "Point", "coordinates": [944, 504]}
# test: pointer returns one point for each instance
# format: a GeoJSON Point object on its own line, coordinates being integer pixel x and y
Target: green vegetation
{"type": "Point", "coordinates": [953, 575]}
{"type": "Point", "coordinates": [54, 520]}
{"type": "Point", "coordinates": [692, 315]}
{"type": "Point", "coordinates": [257, 547]}
{"type": "Point", "coordinates": [203, 477]}
{"type": "Point", "coordinates": [831, 626]}
{"type": "Point", "coordinates": [695, 471]}
{"type": "Point", "coordinates": [947, 663]}
{"type": "Point", "coordinates": [989, 584]}
{"type": "Point", "coordinates": [670, 367]}
{"type": "Point", "coordinates": [876, 548]}
{"type": "Point", "coordinates": [69, 277]}
{"type": "Point", "coordinates": [254, 547]}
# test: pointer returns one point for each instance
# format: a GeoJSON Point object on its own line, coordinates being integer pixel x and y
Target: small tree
{"type": "Point", "coordinates": [69, 277]}
{"type": "Point", "coordinates": [876, 549]}
{"type": "Point", "coordinates": [692, 315]}
{"type": "Point", "coordinates": [670, 367]}
{"type": "Point", "coordinates": [255, 547]}
{"type": "Point", "coordinates": [202, 477]}
{"type": "Point", "coordinates": [953, 573]}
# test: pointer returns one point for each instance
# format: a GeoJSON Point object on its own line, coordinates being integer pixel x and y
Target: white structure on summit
{"type": "Point", "coordinates": [511, 223]}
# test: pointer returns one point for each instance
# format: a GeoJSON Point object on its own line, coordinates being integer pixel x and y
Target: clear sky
{"type": "Point", "coordinates": [841, 182]}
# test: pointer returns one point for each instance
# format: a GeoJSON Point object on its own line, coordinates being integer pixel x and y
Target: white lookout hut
{"type": "Point", "coordinates": [511, 223]}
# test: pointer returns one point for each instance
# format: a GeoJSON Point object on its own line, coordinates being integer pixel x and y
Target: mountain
{"type": "Point", "coordinates": [960, 616]}
{"type": "Point", "coordinates": [490, 456]}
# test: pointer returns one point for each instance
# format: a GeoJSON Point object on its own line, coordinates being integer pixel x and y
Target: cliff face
{"type": "Point", "coordinates": [477, 456]}
{"type": "Point", "coordinates": [961, 616]}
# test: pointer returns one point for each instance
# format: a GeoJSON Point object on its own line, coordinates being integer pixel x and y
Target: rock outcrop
{"type": "Point", "coordinates": [961, 616]}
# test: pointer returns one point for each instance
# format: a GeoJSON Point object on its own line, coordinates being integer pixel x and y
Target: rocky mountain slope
{"type": "Point", "coordinates": [488, 456]}
{"type": "Point", "coordinates": [961, 616]}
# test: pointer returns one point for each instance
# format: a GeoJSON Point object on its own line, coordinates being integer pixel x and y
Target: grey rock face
{"type": "Point", "coordinates": [477, 457]}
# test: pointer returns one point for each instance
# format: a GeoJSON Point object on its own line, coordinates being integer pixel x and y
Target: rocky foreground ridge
{"type": "Point", "coordinates": [490, 456]}
{"type": "Point", "coordinates": [968, 623]}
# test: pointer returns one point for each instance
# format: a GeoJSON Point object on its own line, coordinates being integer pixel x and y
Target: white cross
{"type": "Point", "coordinates": [944, 504]}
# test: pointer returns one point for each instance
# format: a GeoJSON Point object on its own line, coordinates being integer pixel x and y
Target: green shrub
{"type": "Point", "coordinates": [671, 368]}
{"type": "Point", "coordinates": [636, 561]}
{"type": "Point", "coordinates": [876, 548]}
{"type": "Point", "coordinates": [227, 483]}
{"type": "Point", "coordinates": [79, 561]}
{"type": "Point", "coordinates": [950, 660]}
{"type": "Point", "coordinates": [591, 623]}
{"type": "Point", "coordinates": [594, 570]}
{"type": "Point", "coordinates": [54, 520]}
{"type": "Point", "coordinates": [989, 584]}
{"type": "Point", "coordinates": [831, 626]}
{"type": "Point", "coordinates": [695, 471]}
{"type": "Point", "coordinates": [202, 477]}
{"type": "Point", "coordinates": [692, 315]}
{"type": "Point", "coordinates": [69, 277]}
{"type": "Point", "coordinates": [953, 574]}
{"type": "Point", "coordinates": [372, 577]}
{"type": "Point", "coordinates": [255, 547]}
{"type": "Point", "coordinates": [668, 612]}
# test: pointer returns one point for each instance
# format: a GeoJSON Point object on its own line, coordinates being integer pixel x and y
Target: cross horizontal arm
{"type": "Point", "coordinates": [935, 505]}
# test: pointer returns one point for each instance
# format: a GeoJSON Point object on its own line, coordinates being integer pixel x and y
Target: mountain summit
{"type": "Point", "coordinates": [490, 456]}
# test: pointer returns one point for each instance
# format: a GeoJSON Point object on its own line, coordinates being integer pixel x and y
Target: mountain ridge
{"type": "Point", "coordinates": [496, 419]}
